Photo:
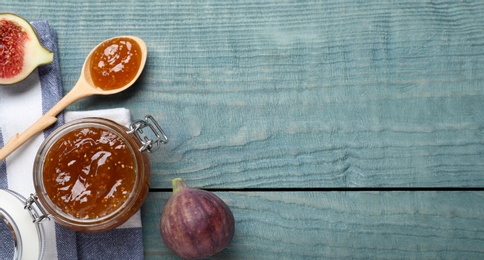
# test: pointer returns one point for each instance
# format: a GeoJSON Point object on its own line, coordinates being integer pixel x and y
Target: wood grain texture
{"type": "Point", "coordinates": [296, 94]}
{"type": "Point", "coordinates": [353, 225]}
{"type": "Point", "coordinates": [305, 94]}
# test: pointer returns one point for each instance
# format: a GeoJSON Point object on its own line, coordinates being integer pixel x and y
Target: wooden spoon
{"type": "Point", "coordinates": [83, 88]}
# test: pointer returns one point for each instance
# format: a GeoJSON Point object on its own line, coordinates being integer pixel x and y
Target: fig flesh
{"type": "Point", "coordinates": [195, 223]}
{"type": "Point", "coordinates": [20, 49]}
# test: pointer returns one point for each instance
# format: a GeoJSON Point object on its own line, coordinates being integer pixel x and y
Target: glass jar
{"type": "Point", "coordinates": [19, 218]}
{"type": "Point", "coordinates": [93, 174]}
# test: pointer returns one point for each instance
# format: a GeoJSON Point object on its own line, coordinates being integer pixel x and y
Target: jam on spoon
{"type": "Point", "coordinates": [115, 63]}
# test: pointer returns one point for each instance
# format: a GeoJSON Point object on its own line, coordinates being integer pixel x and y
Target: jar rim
{"type": "Point", "coordinates": [47, 145]}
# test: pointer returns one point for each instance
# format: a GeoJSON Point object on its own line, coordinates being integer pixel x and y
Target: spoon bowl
{"type": "Point", "coordinates": [87, 76]}
{"type": "Point", "coordinates": [83, 88]}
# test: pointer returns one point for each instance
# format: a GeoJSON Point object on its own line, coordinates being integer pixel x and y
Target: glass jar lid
{"type": "Point", "coordinates": [22, 220]}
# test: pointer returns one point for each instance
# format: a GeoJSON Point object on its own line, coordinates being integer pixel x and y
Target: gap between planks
{"type": "Point", "coordinates": [331, 189]}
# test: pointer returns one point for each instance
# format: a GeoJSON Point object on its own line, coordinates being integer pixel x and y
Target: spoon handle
{"type": "Point", "coordinates": [18, 139]}
{"type": "Point", "coordinates": [49, 118]}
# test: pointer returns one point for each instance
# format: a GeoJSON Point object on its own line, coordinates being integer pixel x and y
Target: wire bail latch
{"type": "Point", "coordinates": [33, 199]}
{"type": "Point", "coordinates": [150, 140]}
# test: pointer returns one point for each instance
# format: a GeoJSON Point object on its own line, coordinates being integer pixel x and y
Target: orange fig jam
{"type": "Point", "coordinates": [115, 63]}
{"type": "Point", "coordinates": [89, 173]}
{"type": "Point", "coordinates": [93, 174]}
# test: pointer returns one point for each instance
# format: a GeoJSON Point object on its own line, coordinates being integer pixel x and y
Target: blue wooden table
{"type": "Point", "coordinates": [333, 129]}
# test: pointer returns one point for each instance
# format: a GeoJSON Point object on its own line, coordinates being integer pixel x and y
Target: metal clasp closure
{"type": "Point", "coordinates": [33, 199]}
{"type": "Point", "coordinates": [152, 140]}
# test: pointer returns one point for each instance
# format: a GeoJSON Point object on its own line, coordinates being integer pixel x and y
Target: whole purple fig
{"type": "Point", "coordinates": [195, 223]}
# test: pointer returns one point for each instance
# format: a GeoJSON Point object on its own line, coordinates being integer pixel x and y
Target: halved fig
{"type": "Point", "coordinates": [20, 49]}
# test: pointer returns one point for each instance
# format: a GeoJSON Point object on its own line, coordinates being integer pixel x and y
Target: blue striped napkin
{"type": "Point", "coordinates": [20, 106]}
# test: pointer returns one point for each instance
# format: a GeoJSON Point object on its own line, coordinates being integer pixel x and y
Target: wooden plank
{"type": "Point", "coordinates": [368, 225]}
{"type": "Point", "coordinates": [330, 95]}
{"type": "Point", "coordinates": [296, 94]}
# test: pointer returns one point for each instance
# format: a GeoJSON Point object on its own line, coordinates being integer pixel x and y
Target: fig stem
{"type": "Point", "coordinates": [178, 184]}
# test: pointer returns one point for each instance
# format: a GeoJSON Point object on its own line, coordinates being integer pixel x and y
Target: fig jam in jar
{"type": "Point", "coordinates": [93, 174]}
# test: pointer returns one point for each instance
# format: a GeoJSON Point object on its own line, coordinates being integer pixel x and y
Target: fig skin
{"type": "Point", "coordinates": [20, 49]}
{"type": "Point", "coordinates": [195, 223]}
